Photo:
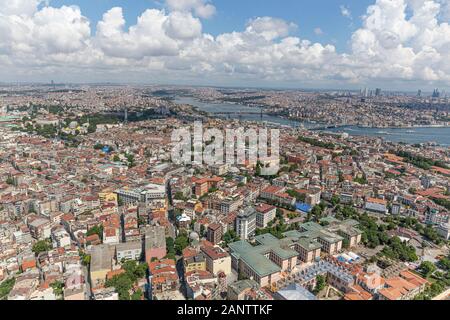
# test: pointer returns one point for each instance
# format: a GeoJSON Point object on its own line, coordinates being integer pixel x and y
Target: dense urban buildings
{"type": "Point", "coordinates": [92, 206]}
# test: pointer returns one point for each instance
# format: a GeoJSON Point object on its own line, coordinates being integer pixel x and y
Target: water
{"type": "Point", "coordinates": [232, 112]}
{"type": "Point", "coordinates": [406, 135]}
{"type": "Point", "coordinates": [411, 136]}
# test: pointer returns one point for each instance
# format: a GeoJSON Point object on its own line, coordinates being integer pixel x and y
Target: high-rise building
{"type": "Point", "coordinates": [246, 223]}
{"type": "Point", "coordinates": [377, 92]}
{"type": "Point", "coordinates": [436, 93]}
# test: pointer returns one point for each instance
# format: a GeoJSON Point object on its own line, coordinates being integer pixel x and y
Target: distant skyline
{"type": "Point", "coordinates": [396, 45]}
{"type": "Point", "coordinates": [412, 92]}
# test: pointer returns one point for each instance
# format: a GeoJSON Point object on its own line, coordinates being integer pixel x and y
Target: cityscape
{"type": "Point", "coordinates": [93, 205]}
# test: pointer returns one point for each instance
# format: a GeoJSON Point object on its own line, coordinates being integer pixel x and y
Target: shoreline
{"type": "Point", "coordinates": [325, 125]}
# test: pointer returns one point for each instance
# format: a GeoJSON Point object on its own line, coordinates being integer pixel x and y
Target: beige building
{"type": "Point", "coordinates": [217, 260]}
{"type": "Point", "coordinates": [101, 264]}
{"type": "Point", "coordinates": [195, 263]}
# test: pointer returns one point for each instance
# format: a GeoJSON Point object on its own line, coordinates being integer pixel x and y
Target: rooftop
{"type": "Point", "coordinates": [254, 256]}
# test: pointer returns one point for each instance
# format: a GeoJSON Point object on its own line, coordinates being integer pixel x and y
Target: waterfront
{"type": "Point", "coordinates": [232, 112]}
{"type": "Point", "coordinates": [439, 135]}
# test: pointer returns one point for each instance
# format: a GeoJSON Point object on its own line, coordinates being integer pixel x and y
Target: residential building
{"type": "Point", "coordinates": [101, 264]}
{"type": "Point", "coordinates": [128, 251]}
{"type": "Point", "coordinates": [443, 230]}
{"type": "Point", "coordinates": [264, 214]}
{"type": "Point", "coordinates": [194, 263]}
{"type": "Point", "coordinates": [376, 205]}
{"type": "Point", "coordinates": [404, 287]}
{"type": "Point", "coordinates": [163, 276]}
{"type": "Point", "coordinates": [155, 243]}
{"type": "Point", "coordinates": [146, 195]}
{"type": "Point", "coordinates": [217, 260]}
{"type": "Point", "coordinates": [214, 233]}
{"type": "Point", "coordinates": [246, 223]}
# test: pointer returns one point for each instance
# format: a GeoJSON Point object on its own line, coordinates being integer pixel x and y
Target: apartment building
{"type": "Point", "coordinates": [101, 264]}
{"type": "Point", "coordinates": [376, 205]}
{"type": "Point", "coordinates": [155, 243]}
{"type": "Point", "coordinates": [404, 287]}
{"type": "Point", "coordinates": [194, 263]}
{"type": "Point", "coordinates": [145, 195]}
{"type": "Point", "coordinates": [217, 260]}
{"type": "Point", "coordinates": [129, 251]}
{"type": "Point", "coordinates": [264, 214]}
{"type": "Point", "coordinates": [214, 233]}
{"type": "Point", "coordinates": [246, 223]}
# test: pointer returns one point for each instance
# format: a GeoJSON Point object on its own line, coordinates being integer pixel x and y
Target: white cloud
{"type": "Point", "coordinates": [155, 34]}
{"type": "Point", "coordinates": [19, 7]}
{"type": "Point", "coordinates": [182, 26]}
{"type": "Point", "coordinates": [345, 12]}
{"type": "Point", "coordinates": [270, 28]}
{"type": "Point", "coordinates": [201, 8]}
{"type": "Point", "coordinates": [390, 45]}
{"type": "Point", "coordinates": [47, 31]}
{"type": "Point", "coordinates": [318, 31]}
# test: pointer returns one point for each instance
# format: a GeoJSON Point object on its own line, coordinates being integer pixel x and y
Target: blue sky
{"type": "Point", "coordinates": [232, 15]}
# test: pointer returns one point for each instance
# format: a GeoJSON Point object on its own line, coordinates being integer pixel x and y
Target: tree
{"type": "Point", "coordinates": [427, 268]}
{"type": "Point", "coordinates": [98, 230]}
{"type": "Point", "coordinates": [116, 158]}
{"type": "Point", "coordinates": [180, 196]}
{"type": "Point", "coordinates": [398, 250]}
{"type": "Point", "coordinates": [335, 200]}
{"type": "Point", "coordinates": [6, 287]}
{"type": "Point", "coordinates": [202, 230]}
{"type": "Point", "coordinates": [445, 263]}
{"type": "Point", "coordinates": [170, 247]}
{"type": "Point", "coordinates": [58, 288]}
{"type": "Point", "coordinates": [130, 159]}
{"type": "Point", "coordinates": [137, 295]}
{"type": "Point", "coordinates": [92, 128]}
{"type": "Point", "coordinates": [10, 181]}
{"type": "Point", "coordinates": [230, 237]}
{"type": "Point", "coordinates": [320, 284]}
{"type": "Point", "coordinates": [361, 180]}
{"type": "Point", "coordinates": [41, 246]}
{"type": "Point", "coordinates": [181, 242]}
{"type": "Point", "coordinates": [124, 282]}
{"type": "Point", "coordinates": [86, 260]}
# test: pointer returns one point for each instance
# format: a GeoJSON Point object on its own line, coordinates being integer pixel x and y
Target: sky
{"type": "Point", "coordinates": [339, 44]}
{"type": "Point", "coordinates": [232, 15]}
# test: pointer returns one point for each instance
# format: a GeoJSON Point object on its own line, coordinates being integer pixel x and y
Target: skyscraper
{"type": "Point", "coordinates": [436, 93]}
